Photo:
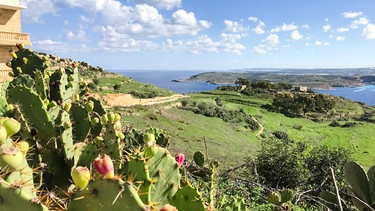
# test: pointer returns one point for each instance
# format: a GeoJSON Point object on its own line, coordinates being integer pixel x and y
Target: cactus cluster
{"type": "Point", "coordinates": [53, 134]}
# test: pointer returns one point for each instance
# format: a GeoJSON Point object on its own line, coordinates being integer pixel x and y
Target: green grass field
{"type": "Point", "coordinates": [229, 143]}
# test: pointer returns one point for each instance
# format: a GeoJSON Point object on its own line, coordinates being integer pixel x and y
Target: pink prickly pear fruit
{"type": "Point", "coordinates": [20, 46]}
{"type": "Point", "coordinates": [3, 135]}
{"type": "Point", "coordinates": [81, 176]}
{"type": "Point", "coordinates": [104, 166]}
{"type": "Point", "coordinates": [12, 126]}
{"type": "Point", "coordinates": [23, 146]}
{"type": "Point", "coordinates": [180, 158]}
{"type": "Point", "coordinates": [10, 157]}
{"type": "Point", "coordinates": [89, 106]}
{"type": "Point", "coordinates": [168, 207]}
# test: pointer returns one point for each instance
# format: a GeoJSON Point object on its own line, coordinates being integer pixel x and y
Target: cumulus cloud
{"type": "Point", "coordinates": [203, 43]}
{"type": "Point", "coordinates": [49, 45]}
{"type": "Point", "coordinates": [128, 21]}
{"type": "Point", "coordinates": [272, 39]}
{"type": "Point", "coordinates": [369, 31]}
{"type": "Point", "coordinates": [361, 21]}
{"type": "Point", "coordinates": [285, 27]}
{"type": "Point", "coordinates": [234, 26]}
{"type": "Point", "coordinates": [351, 14]}
{"type": "Point", "coordinates": [260, 49]}
{"type": "Point", "coordinates": [317, 43]}
{"type": "Point", "coordinates": [295, 35]}
{"type": "Point", "coordinates": [79, 36]}
{"type": "Point", "coordinates": [342, 29]}
{"type": "Point", "coordinates": [162, 4]}
{"type": "Point", "coordinates": [253, 19]}
{"type": "Point", "coordinates": [36, 9]}
{"type": "Point", "coordinates": [127, 45]}
{"type": "Point", "coordinates": [258, 30]}
{"type": "Point", "coordinates": [340, 38]}
{"type": "Point", "coordinates": [326, 28]}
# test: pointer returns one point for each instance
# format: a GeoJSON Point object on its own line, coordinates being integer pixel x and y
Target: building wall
{"type": "Point", "coordinates": [10, 20]}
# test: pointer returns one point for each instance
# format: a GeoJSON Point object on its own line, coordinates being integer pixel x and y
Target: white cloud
{"type": "Point", "coordinates": [340, 38]}
{"type": "Point", "coordinates": [253, 19]}
{"type": "Point", "coordinates": [162, 4]}
{"type": "Point", "coordinates": [305, 26]}
{"type": "Point", "coordinates": [285, 27]}
{"type": "Point", "coordinates": [272, 39]}
{"type": "Point", "coordinates": [369, 31]}
{"type": "Point", "coordinates": [51, 46]}
{"type": "Point", "coordinates": [205, 24]}
{"type": "Point", "coordinates": [127, 45]}
{"type": "Point", "coordinates": [326, 28]}
{"type": "Point", "coordinates": [260, 49]}
{"type": "Point", "coordinates": [258, 30]}
{"type": "Point", "coordinates": [295, 35]}
{"type": "Point", "coordinates": [361, 21]}
{"type": "Point", "coordinates": [234, 26]}
{"type": "Point", "coordinates": [203, 43]}
{"type": "Point", "coordinates": [351, 14]}
{"type": "Point", "coordinates": [317, 43]}
{"type": "Point", "coordinates": [342, 29]}
{"type": "Point", "coordinates": [36, 9]}
{"type": "Point", "coordinates": [80, 35]}
{"type": "Point", "coordinates": [112, 17]}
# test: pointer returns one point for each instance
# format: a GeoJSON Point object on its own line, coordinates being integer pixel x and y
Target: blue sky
{"type": "Point", "coordinates": [205, 34]}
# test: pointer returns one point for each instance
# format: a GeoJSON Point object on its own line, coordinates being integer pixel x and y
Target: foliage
{"type": "Point", "coordinates": [284, 163]}
{"type": "Point", "coordinates": [298, 104]}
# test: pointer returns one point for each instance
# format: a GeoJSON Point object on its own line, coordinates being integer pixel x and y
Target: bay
{"type": "Point", "coordinates": [163, 79]}
{"type": "Point", "coordinates": [364, 94]}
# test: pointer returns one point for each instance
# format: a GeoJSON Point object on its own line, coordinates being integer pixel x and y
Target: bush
{"type": "Point", "coordinates": [117, 86]}
{"type": "Point", "coordinates": [95, 81]}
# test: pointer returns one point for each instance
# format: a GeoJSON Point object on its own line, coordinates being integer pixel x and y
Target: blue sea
{"type": "Point", "coordinates": [364, 94]}
{"type": "Point", "coordinates": [164, 79]}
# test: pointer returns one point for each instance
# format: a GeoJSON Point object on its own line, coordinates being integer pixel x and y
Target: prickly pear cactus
{"type": "Point", "coordinates": [361, 185]}
{"type": "Point", "coordinates": [186, 199]}
{"type": "Point", "coordinates": [198, 158]}
{"type": "Point", "coordinates": [107, 194]}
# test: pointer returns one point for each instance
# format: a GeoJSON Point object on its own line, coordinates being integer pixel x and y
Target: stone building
{"type": "Point", "coordinates": [10, 32]}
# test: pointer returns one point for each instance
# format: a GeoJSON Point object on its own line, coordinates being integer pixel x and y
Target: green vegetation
{"type": "Point", "coordinates": [253, 146]}
{"type": "Point", "coordinates": [110, 83]}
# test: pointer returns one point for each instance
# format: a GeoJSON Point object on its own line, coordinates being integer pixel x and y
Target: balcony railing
{"type": "Point", "coordinates": [12, 38]}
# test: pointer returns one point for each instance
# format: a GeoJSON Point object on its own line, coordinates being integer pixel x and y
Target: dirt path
{"type": "Point", "coordinates": [261, 127]}
{"type": "Point", "coordinates": [128, 100]}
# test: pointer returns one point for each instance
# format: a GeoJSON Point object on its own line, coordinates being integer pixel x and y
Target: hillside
{"type": "Point", "coordinates": [313, 78]}
{"type": "Point", "coordinates": [257, 145]}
